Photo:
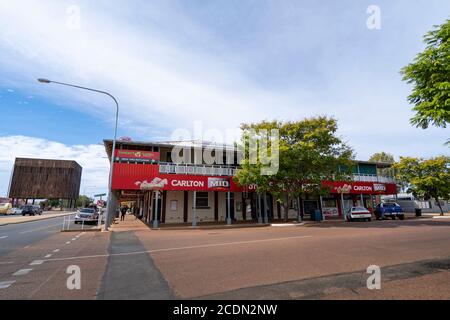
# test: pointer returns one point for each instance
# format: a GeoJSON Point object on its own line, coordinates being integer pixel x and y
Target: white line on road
{"type": "Point", "coordinates": [3, 237]}
{"type": "Point", "coordinates": [38, 229]}
{"type": "Point", "coordinates": [178, 248]}
{"type": "Point", "coordinates": [22, 272]}
{"type": "Point", "coordinates": [48, 256]}
{"type": "Point", "coordinates": [6, 284]}
{"type": "Point", "coordinates": [36, 262]}
{"type": "Point", "coordinates": [68, 242]}
{"type": "Point", "coordinates": [73, 239]}
{"type": "Point", "coordinates": [56, 250]}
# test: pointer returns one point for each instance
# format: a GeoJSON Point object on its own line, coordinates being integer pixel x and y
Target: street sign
{"type": "Point", "coordinates": [100, 195]}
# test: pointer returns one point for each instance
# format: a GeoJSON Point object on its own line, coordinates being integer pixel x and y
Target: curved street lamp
{"type": "Point", "coordinates": [108, 204]}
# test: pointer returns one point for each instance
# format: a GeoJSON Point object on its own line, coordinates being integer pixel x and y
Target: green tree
{"type": "Point", "coordinates": [429, 74]}
{"type": "Point", "coordinates": [429, 178]}
{"type": "Point", "coordinates": [384, 157]}
{"type": "Point", "coordinates": [83, 201]}
{"type": "Point", "coordinates": [309, 152]}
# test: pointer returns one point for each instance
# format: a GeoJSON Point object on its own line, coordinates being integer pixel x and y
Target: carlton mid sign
{"type": "Point", "coordinates": [184, 182]}
{"type": "Point", "coordinates": [360, 187]}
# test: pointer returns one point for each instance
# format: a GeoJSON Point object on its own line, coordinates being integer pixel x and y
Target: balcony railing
{"type": "Point", "coordinates": [196, 169]}
{"type": "Point", "coordinates": [207, 170]}
{"type": "Point", "coordinates": [373, 178]}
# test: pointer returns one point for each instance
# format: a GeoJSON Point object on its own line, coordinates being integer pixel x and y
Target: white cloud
{"type": "Point", "coordinates": [169, 70]}
{"type": "Point", "coordinates": [91, 157]}
{"type": "Point", "coordinates": [156, 78]}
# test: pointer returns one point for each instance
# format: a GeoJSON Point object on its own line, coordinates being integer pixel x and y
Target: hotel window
{"type": "Point", "coordinates": [201, 200]}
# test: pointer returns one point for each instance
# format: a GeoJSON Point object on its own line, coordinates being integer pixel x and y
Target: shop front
{"type": "Point", "coordinates": [168, 193]}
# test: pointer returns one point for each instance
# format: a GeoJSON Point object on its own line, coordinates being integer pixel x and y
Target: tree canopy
{"type": "Point", "coordinates": [429, 178]}
{"type": "Point", "coordinates": [386, 158]}
{"type": "Point", "coordinates": [429, 74]}
{"type": "Point", "coordinates": [309, 151]}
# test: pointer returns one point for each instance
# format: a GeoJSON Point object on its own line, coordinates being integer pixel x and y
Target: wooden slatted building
{"type": "Point", "coordinates": [45, 179]}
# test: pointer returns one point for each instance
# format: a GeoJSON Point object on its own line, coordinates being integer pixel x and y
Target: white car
{"type": "Point", "coordinates": [16, 210]}
{"type": "Point", "coordinates": [356, 213]}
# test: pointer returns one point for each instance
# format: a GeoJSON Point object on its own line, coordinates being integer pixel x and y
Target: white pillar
{"type": "Point", "coordinates": [155, 217]}
{"type": "Point", "coordinates": [344, 214]}
{"type": "Point", "coordinates": [229, 208]}
{"type": "Point", "coordinates": [194, 211]}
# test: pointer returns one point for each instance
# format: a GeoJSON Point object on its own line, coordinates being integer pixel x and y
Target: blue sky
{"type": "Point", "coordinates": [171, 63]}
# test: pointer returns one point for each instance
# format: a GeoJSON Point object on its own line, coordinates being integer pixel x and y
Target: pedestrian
{"type": "Point", "coordinates": [123, 211]}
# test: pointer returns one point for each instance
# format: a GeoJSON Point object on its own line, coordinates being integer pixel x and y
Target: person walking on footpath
{"type": "Point", "coordinates": [123, 211]}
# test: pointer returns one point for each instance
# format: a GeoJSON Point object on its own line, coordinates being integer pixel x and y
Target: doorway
{"type": "Point", "coordinates": [310, 207]}
{"type": "Point", "coordinates": [231, 205]}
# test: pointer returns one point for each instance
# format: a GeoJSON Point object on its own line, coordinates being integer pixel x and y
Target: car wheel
{"type": "Point", "coordinates": [23, 214]}
{"type": "Point", "coordinates": [401, 217]}
{"type": "Point", "coordinates": [369, 219]}
{"type": "Point", "coordinates": [393, 217]}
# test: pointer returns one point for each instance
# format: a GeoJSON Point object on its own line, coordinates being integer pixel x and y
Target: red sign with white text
{"type": "Point", "coordinates": [146, 176]}
{"type": "Point", "coordinates": [360, 187]}
{"type": "Point", "coordinates": [136, 156]}
{"type": "Point", "coordinates": [137, 177]}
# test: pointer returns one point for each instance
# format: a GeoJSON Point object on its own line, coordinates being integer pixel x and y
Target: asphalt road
{"type": "Point", "coordinates": [17, 236]}
{"type": "Point", "coordinates": [323, 261]}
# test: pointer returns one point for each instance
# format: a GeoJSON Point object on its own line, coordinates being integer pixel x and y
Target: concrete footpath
{"type": "Point", "coordinates": [131, 276]}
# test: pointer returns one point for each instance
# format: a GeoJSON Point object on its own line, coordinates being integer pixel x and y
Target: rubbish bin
{"type": "Point", "coordinates": [418, 212]}
{"type": "Point", "coordinates": [318, 215]}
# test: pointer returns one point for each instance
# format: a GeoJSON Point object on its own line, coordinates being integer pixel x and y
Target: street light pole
{"type": "Point", "coordinates": [108, 205]}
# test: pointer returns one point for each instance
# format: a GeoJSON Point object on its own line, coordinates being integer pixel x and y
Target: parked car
{"type": "Point", "coordinates": [389, 210]}
{"type": "Point", "coordinates": [359, 213]}
{"type": "Point", "coordinates": [5, 208]}
{"type": "Point", "coordinates": [31, 210]}
{"type": "Point", "coordinates": [16, 210]}
{"type": "Point", "coordinates": [39, 210]}
{"type": "Point", "coordinates": [86, 215]}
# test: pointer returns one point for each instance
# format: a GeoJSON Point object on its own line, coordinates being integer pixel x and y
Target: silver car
{"type": "Point", "coordinates": [86, 215]}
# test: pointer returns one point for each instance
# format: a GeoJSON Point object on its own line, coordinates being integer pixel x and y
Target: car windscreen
{"type": "Point", "coordinates": [87, 210]}
{"type": "Point", "coordinates": [359, 209]}
{"type": "Point", "coordinates": [389, 205]}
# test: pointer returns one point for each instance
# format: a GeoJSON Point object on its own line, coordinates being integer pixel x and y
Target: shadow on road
{"type": "Point", "coordinates": [382, 224]}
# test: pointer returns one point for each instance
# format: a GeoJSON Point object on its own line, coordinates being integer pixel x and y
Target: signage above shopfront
{"type": "Point", "coordinates": [137, 156]}
{"type": "Point", "coordinates": [187, 183]}
{"type": "Point", "coordinates": [141, 177]}
{"type": "Point", "coordinates": [360, 187]}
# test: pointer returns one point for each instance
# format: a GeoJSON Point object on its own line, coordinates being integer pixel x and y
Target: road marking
{"type": "Point", "coordinates": [6, 284]}
{"type": "Point", "coordinates": [56, 250]}
{"type": "Point", "coordinates": [3, 237]}
{"type": "Point", "coordinates": [48, 256]}
{"type": "Point", "coordinates": [6, 262]}
{"type": "Point", "coordinates": [177, 248]}
{"type": "Point", "coordinates": [38, 229]}
{"type": "Point", "coordinates": [68, 242]}
{"type": "Point", "coordinates": [36, 262]}
{"type": "Point", "coordinates": [22, 272]}
{"type": "Point", "coordinates": [73, 239]}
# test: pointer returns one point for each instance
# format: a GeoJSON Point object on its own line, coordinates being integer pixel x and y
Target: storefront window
{"type": "Point", "coordinates": [201, 200]}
